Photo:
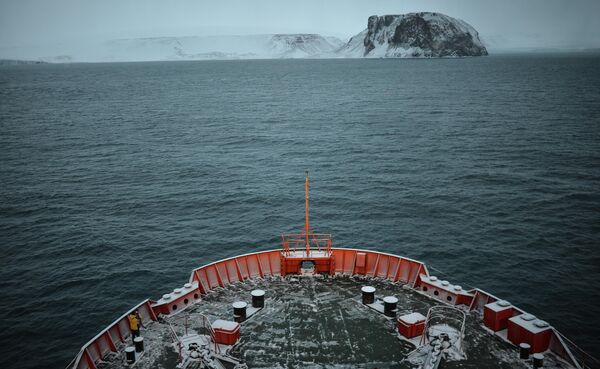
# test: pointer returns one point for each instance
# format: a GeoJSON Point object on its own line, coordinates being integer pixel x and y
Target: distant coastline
{"type": "Point", "coordinates": [20, 62]}
{"type": "Point", "coordinates": [411, 35]}
{"type": "Point", "coordinates": [492, 53]}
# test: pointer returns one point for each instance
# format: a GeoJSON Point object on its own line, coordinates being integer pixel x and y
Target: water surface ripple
{"type": "Point", "coordinates": [117, 179]}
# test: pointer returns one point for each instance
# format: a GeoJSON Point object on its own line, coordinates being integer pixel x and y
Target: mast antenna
{"type": "Point", "coordinates": [306, 223]}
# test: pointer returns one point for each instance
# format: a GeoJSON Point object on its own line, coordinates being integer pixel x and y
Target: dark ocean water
{"type": "Point", "coordinates": [117, 179]}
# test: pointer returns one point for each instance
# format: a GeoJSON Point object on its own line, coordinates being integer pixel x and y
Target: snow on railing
{"type": "Point", "coordinates": [441, 314]}
{"type": "Point", "coordinates": [201, 325]}
{"type": "Point", "coordinates": [75, 359]}
{"type": "Point", "coordinates": [580, 358]}
{"type": "Point", "coordinates": [107, 340]}
{"type": "Point", "coordinates": [176, 341]}
{"type": "Point", "coordinates": [207, 327]}
{"type": "Point", "coordinates": [345, 261]}
{"type": "Point", "coordinates": [292, 243]}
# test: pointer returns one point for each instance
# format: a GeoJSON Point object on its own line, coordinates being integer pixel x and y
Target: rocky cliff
{"type": "Point", "coordinates": [415, 35]}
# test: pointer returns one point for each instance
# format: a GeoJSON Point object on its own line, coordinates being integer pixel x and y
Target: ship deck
{"type": "Point", "coordinates": [318, 322]}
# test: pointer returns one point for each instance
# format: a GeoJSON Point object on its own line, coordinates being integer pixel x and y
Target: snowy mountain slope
{"type": "Point", "coordinates": [189, 48]}
{"type": "Point", "coordinates": [224, 47]}
{"type": "Point", "coordinates": [185, 48]}
{"type": "Point", "coordinates": [303, 45]}
{"type": "Point", "coordinates": [415, 35]}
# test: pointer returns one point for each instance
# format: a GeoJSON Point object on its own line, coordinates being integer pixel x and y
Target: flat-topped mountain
{"type": "Point", "coordinates": [304, 45]}
{"type": "Point", "coordinates": [268, 46]}
{"type": "Point", "coordinates": [415, 35]}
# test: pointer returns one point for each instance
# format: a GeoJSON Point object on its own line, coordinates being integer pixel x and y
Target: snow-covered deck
{"type": "Point", "coordinates": [311, 254]}
{"type": "Point", "coordinates": [319, 322]}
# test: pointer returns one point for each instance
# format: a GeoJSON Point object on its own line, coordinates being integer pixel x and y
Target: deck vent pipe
{"type": "Point", "coordinates": [130, 354]}
{"type": "Point", "coordinates": [368, 295]}
{"type": "Point", "coordinates": [258, 299]}
{"type": "Point", "coordinates": [524, 351]}
{"type": "Point", "coordinates": [538, 360]}
{"type": "Point", "coordinates": [239, 311]}
{"type": "Point", "coordinates": [389, 305]}
{"type": "Point", "coordinates": [139, 344]}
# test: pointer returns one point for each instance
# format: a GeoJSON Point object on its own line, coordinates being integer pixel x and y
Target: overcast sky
{"type": "Point", "coordinates": [501, 23]}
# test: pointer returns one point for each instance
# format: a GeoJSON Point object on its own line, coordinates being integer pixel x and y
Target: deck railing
{"type": "Point", "coordinates": [176, 341]}
{"type": "Point", "coordinates": [110, 337]}
{"type": "Point", "coordinates": [583, 359]}
{"type": "Point", "coordinates": [297, 242]}
{"type": "Point", "coordinates": [268, 263]}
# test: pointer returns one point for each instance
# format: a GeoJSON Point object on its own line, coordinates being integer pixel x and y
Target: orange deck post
{"type": "Point", "coordinates": [306, 224]}
{"type": "Point", "coordinates": [292, 258]}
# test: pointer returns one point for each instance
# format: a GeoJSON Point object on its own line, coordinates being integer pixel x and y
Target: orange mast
{"type": "Point", "coordinates": [306, 225]}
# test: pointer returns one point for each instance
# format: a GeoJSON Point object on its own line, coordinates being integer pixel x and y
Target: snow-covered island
{"type": "Point", "coordinates": [413, 35]}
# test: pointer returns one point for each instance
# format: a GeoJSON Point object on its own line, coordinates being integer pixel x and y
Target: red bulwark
{"type": "Point", "coordinates": [291, 261]}
{"type": "Point", "coordinates": [444, 291]}
{"type": "Point", "coordinates": [525, 328]}
{"type": "Point", "coordinates": [361, 258]}
{"type": "Point", "coordinates": [177, 300]}
{"type": "Point", "coordinates": [226, 332]}
{"type": "Point", "coordinates": [411, 325]}
{"type": "Point", "coordinates": [496, 315]}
